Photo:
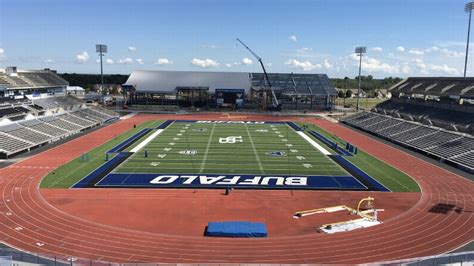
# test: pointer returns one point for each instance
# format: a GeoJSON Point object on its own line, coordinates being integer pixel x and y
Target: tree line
{"type": "Point", "coordinates": [367, 84]}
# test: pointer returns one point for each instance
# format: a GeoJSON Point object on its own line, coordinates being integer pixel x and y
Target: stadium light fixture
{"type": "Point", "coordinates": [102, 50]}
{"type": "Point", "coordinates": [468, 8]}
{"type": "Point", "coordinates": [360, 50]}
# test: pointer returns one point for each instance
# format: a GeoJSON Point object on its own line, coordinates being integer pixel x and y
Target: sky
{"type": "Point", "coordinates": [403, 37]}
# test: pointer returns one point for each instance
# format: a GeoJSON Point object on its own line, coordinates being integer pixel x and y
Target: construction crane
{"type": "Point", "coordinates": [275, 103]}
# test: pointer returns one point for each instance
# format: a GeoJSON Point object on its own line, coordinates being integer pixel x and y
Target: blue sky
{"type": "Point", "coordinates": [404, 37]}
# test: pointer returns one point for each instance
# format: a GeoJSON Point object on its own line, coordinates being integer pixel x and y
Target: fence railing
{"type": "Point", "coordinates": [10, 257]}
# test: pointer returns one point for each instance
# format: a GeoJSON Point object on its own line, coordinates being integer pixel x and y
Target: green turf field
{"type": "Point", "coordinates": [202, 148]}
{"type": "Point", "coordinates": [196, 148]}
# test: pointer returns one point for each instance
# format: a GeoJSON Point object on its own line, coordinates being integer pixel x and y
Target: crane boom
{"type": "Point", "coordinates": [267, 79]}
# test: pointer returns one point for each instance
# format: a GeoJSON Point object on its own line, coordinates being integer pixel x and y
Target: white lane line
{"type": "Point", "coordinates": [254, 150]}
{"type": "Point", "coordinates": [207, 149]}
{"type": "Point", "coordinates": [147, 140]}
{"type": "Point", "coordinates": [313, 143]}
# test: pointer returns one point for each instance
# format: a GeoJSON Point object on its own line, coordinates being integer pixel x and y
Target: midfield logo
{"type": "Point", "coordinates": [276, 153]}
{"type": "Point", "coordinates": [231, 139]}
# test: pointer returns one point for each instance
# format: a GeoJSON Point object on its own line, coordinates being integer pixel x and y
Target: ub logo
{"type": "Point", "coordinates": [231, 139]}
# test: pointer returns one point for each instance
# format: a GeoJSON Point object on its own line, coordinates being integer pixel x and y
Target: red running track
{"type": "Point", "coordinates": [28, 218]}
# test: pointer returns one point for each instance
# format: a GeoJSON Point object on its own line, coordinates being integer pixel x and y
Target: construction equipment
{"type": "Point", "coordinates": [368, 216]}
{"type": "Point", "coordinates": [275, 103]}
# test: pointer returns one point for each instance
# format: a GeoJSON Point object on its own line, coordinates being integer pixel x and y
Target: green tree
{"type": "Point", "coordinates": [348, 94]}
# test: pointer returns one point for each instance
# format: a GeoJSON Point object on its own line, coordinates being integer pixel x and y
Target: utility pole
{"type": "Point", "coordinates": [102, 50]}
{"type": "Point", "coordinates": [360, 50]}
{"type": "Point", "coordinates": [468, 8]}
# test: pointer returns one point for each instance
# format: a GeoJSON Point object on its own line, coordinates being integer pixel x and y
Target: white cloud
{"type": "Point", "coordinates": [247, 61]}
{"type": "Point", "coordinates": [163, 61]}
{"type": "Point", "coordinates": [416, 52]}
{"type": "Point", "coordinates": [204, 63]}
{"type": "Point", "coordinates": [293, 38]}
{"type": "Point", "coordinates": [304, 50]}
{"type": "Point", "coordinates": [140, 61]}
{"type": "Point", "coordinates": [444, 69]}
{"type": "Point", "coordinates": [377, 49]}
{"type": "Point", "coordinates": [210, 46]}
{"type": "Point", "coordinates": [327, 65]}
{"type": "Point", "coordinates": [127, 60]}
{"type": "Point", "coordinates": [82, 57]}
{"type": "Point", "coordinates": [2, 53]}
{"type": "Point", "coordinates": [109, 61]}
{"type": "Point", "coordinates": [228, 65]}
{"type": "Point", "coordinates": [406, 69]}
{"type": "Point", "coordinates": [47, 61]}
{"type": "Point", "coordinates": [305, 65]}
{"type": "Point", "coordinates": [132, 49]}
{"type": "Point", "coordinates": [401, 49]}
{"type": "Point", "coordinates": [373, 65]}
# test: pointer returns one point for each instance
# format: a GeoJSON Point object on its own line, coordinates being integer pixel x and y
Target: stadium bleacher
{"type": "Point", "coordinates": [408, 110]}
{"type": "Point", "coordinates": [45, 128]}
{"type": "Point", "coordinates": [434, 86]}
{"type": "Point", "coordinates": [56, 102]}
{"type": "Point", "coordinates": [449, 146]}
{"type": "Point", "coordinates": [13, 111]}
{"type": "Point", "coordinates": [24, 135]}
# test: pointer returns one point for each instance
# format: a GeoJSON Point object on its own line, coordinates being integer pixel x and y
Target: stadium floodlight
{"type": "Point", "coordinates": [360, 50]}
{"type": "Point", "coordinates": [468, 8]}
{"type": "Point", "coordinates": [102, 50]}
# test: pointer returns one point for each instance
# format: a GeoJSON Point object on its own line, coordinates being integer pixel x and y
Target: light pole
{"type": "Point", "coordinates": [102, 50]}
{"type": "Point", "coordinates": [468, 8]}
{"type": "Point", "coordinates": [360, 50]}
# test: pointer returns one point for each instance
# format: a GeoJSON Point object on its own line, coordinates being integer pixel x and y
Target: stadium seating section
{"type": "Point", "coordinates": [435, 86]}
{"type": "Point", "coordinates": [33, 78]}
{"type": "Point", "coordinates": [430, 115]}
{"type": "Point", "coordinates": [56, 102]}
{"type": "Point", "coordinates": [452, 147]}
{"type": "Point", "coordinates": [27, 134]}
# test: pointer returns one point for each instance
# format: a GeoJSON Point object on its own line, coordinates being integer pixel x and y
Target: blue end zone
{"type": "Point", "coordinates": [294, 126]}
{"type": "Point", "coordinates": [124, 144]}
{"type": "Point", "coordinates": [234, 181]}
{"type": "Point", "coordinates": [361, 175]}
{"type": "Point", "coordinates": [236, 229]}
{"type": "Point", "coordinates": [331, 144]}
{"type": "Point", "coordinates": [165, 124]}
{"type": "Point", "coordinates": [102, 171]}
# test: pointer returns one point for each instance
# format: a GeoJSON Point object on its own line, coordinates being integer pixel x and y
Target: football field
{"type": "Point", "coordinates": [230, 148]}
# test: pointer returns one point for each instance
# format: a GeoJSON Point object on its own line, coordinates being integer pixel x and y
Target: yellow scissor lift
{"type": "Point", "coordinates": [368, 216]}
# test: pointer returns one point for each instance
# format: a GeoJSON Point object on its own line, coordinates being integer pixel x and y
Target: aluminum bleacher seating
{"type": "Point", "coordinates": [45, 128]}
{"type": "Point", "coordinates": [26, 134]}
{"type": "Point", "coordinates": [11, 145]}
{"type": "Point", "coordinates": [84, 123]}
{"type": "Point", "coordinates": [57, 122]}
{"type": "Point", "coordinates": [449, 146]}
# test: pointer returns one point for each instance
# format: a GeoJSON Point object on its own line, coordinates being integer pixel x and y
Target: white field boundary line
{"type": "Point", "coordinates": [313, 143]}
{"type": "Point", "coordinates": [207, 148]}
{"type": "Point", "coordinates": [147, 140]}
{"type": "Point", "coordinates": [255, 150]}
